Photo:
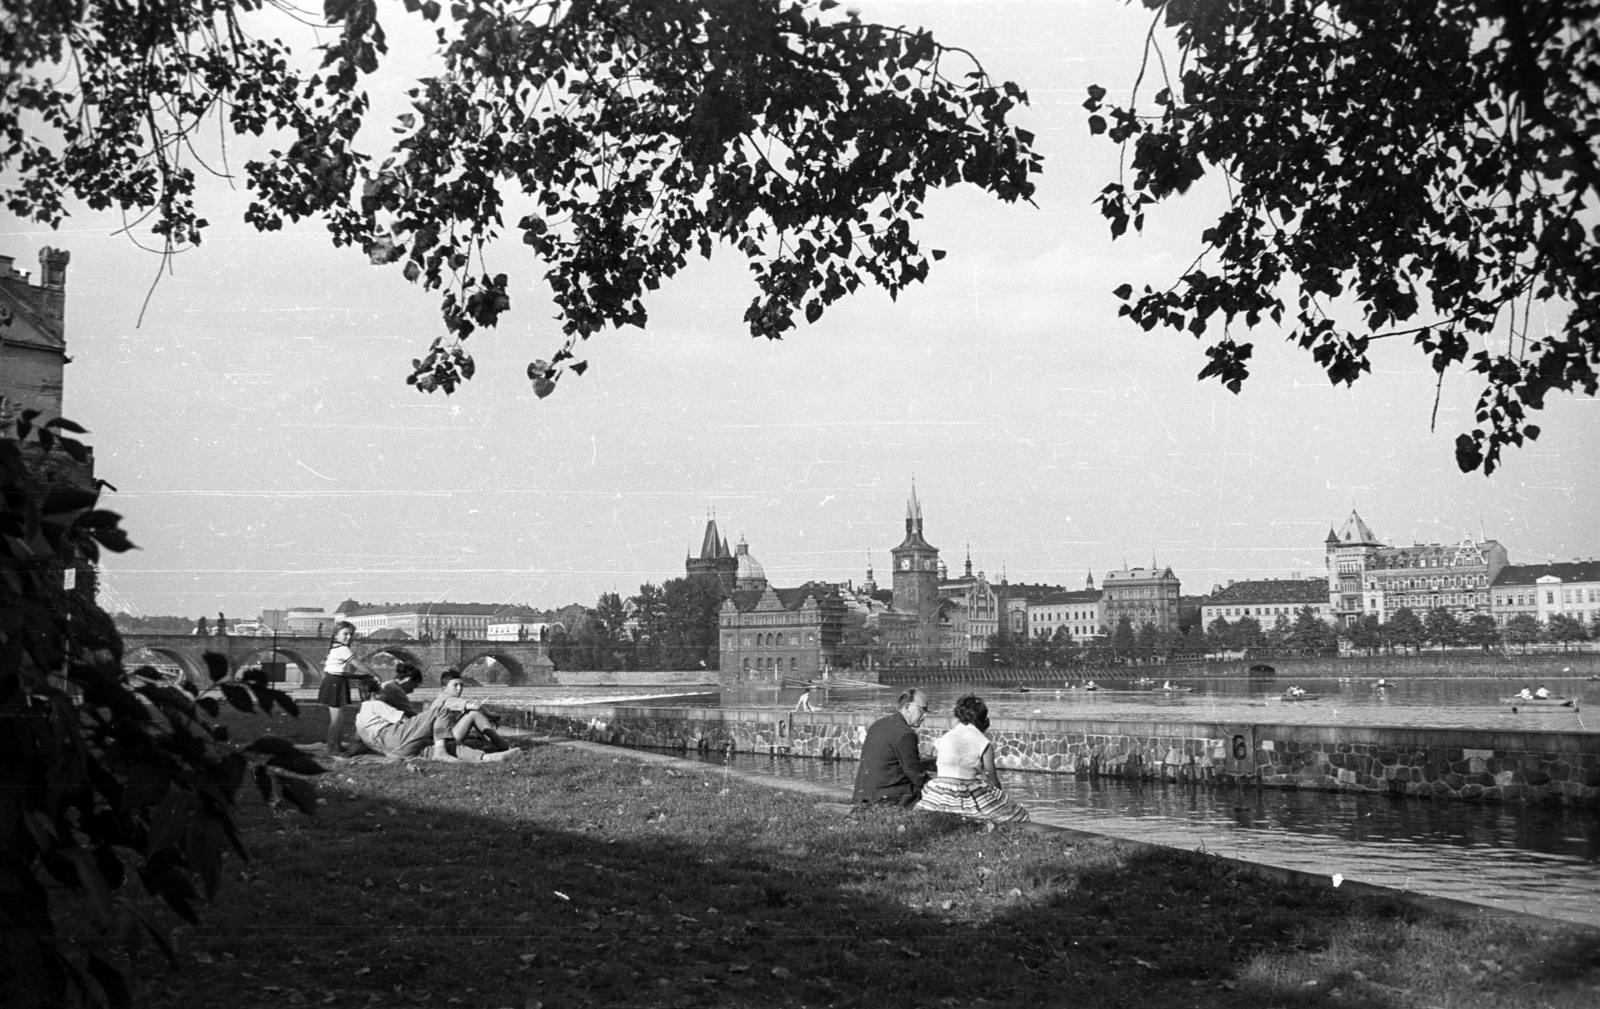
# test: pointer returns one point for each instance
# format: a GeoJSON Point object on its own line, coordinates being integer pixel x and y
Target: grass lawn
{"type": "Point", "coordinates": [568, 879]}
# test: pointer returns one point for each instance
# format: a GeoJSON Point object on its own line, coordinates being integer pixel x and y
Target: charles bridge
{"type": "Point", "coordinates": [523, 663]}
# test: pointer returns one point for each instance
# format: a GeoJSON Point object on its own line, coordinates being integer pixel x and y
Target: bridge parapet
{"type": "Point", "coordinates": [526, 663]}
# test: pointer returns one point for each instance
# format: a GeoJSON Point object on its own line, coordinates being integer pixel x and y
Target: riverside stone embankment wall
{"type": "Point", "coordinates": [1457, 764]}
{"type": "Point", "coordinates": [1456, 665]}
{"type": "Point", "coordinates": [1531, 668]}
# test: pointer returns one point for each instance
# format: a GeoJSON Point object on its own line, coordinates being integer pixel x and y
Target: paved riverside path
{"type": "Point", "coordinates": [834, 800]}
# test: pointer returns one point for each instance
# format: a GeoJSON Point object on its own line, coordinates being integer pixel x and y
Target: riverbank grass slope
{"type": "Point", "coordinates": [570, 879]}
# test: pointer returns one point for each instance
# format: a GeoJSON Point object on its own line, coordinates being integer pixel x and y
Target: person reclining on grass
{"type": "Point", "coordinates": [391, 731]}
{"type": "Point", "coordinates": [396, 692]}
{"type": "Point", "coordinates": [463, 721]}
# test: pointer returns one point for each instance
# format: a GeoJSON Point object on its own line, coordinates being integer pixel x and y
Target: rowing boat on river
{"type": "Point", "coordinates": [1568, 703]}
{"type": "Point", "coordinates": [1302, 697]}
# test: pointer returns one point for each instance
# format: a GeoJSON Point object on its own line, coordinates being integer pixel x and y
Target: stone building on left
{"type": "Point", "coordinates": [33, 362]}
{"type": "Point", "coordinates": [33, 339]}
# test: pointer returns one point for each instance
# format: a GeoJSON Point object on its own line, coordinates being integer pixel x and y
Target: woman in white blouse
{"type": "Point", "coordinates": [967, 783]}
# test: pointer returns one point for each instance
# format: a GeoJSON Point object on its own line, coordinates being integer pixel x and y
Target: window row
{"type": "Point", "coordinates": [775, 665]}
{"type": "Point", "coordinates": [775, 640]}
{"type": "Point", "coordinates": [1448, 582]}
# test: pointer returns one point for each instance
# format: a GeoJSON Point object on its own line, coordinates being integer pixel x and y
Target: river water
{"type": "Point", "coordinates": [1431, 702]}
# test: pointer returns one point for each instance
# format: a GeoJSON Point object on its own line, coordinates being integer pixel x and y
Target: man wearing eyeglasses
{"type": "Point", "coordinates": [891, 769]}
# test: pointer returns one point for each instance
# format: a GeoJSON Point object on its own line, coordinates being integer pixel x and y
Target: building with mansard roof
{"type": "Point", "coordinates": [1268, 599]}
{"type": "Point", "coordinates": [1426, 576]}
{"type": "Point", "coordinates": [1541, 591]}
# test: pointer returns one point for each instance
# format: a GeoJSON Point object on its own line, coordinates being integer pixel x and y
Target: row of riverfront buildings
{"type": "Point", "coordinates": [929, 618]}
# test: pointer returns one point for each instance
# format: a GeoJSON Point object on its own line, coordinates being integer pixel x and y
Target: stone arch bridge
{"type": "Point", "coordinates": [526, 663]}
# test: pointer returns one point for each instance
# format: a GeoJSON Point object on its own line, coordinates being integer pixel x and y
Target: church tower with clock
{"type": "Point", "coordinates": [916, 566]}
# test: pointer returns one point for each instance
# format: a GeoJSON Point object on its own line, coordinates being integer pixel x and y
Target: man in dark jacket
{"type": "Point", "coordinates": [891, 770]}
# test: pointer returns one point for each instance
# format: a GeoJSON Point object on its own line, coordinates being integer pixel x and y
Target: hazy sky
{"type": "Point", "coordinates": [267, 452]}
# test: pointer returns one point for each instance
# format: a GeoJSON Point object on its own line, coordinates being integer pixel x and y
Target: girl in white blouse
{"type": "Point", "coordinates": [338, 669]}
{"type": "Point", "coordinates": [968, 783]}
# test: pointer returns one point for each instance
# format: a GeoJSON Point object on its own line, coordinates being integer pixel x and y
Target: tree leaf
{"type": "Point", "coordinates": [217, 666]}
{"type": "Point", "coordinates": [299, 793]}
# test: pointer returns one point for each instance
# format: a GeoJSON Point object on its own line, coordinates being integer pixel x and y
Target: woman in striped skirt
{"type": "Point", "coordinates": [967, 783]}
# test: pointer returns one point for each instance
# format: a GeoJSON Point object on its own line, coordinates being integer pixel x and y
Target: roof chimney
{"type": "Point", "coordinates": [53, 284]}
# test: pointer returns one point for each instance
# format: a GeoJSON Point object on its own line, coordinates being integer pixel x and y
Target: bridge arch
{"type": "Point", "coordinates": [191, 667]}
{"type": "Point", "coordinates": [515, 674]}
{"type": "Point", "coordinates": [302, 672]}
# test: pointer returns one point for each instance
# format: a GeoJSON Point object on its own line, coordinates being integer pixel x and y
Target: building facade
{"type": "Point", "coordinates": [33, 361]}
{"type": "Point", "coordinates": [1144, 596]}
{"type": "Point", "coordinates": [768, 634]}
{"type": "Point", "coordinates": [1541, 591]}
{"type": "Point", "coordinates": [520, 623]}
{"type": "Point", "coordinates": [1346, 556]}
{"type": "Point", "coordinates": [33, 346]}
{"type": "Point", "coordinates": [298, 620]}
{"type": "Point", "coordinates": [420, 620]}
{"type": "Point", "coordinates": [979, 605]}
{"type": "Point", "coordinates": [1268, 599]}
{"type": "Point", "coordinates": [1080, 612]}
{"type": "Point", "coordinates": [1427, 576]}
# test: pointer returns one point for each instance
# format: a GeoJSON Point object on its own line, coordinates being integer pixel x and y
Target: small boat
{"type": "Point", "coordinates": [1541, 702]}
{"type": "Point", "coordinates": [1302, 697]}
{"type": "Point", "coordinates": [1174, 690]}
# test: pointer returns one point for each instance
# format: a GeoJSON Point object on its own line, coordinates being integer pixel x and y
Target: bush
{"type": "Point", "coordinates": [105, 777]}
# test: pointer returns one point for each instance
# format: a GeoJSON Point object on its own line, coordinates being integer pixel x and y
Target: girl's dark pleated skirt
{"type": "Point", "coordinates": [335, 690]}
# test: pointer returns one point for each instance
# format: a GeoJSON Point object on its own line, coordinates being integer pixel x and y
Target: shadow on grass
{"type": "Point", "coordinates": [567, 879]}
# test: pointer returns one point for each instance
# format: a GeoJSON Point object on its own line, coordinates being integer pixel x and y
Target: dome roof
{"type": "Point", "coordinates": [750, 573]}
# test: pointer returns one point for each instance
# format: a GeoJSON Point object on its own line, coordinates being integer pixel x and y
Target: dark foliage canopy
{"type": "Point", "coordinates": [1430, 167]}
{"type": "Point", "coordinates": [109, 781]}
{"type": "Point", "coordinates": [639, 131]}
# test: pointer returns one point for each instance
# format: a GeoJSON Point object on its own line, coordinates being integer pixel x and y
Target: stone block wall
{"type": "Point", "coordinates": [1451, 764]}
